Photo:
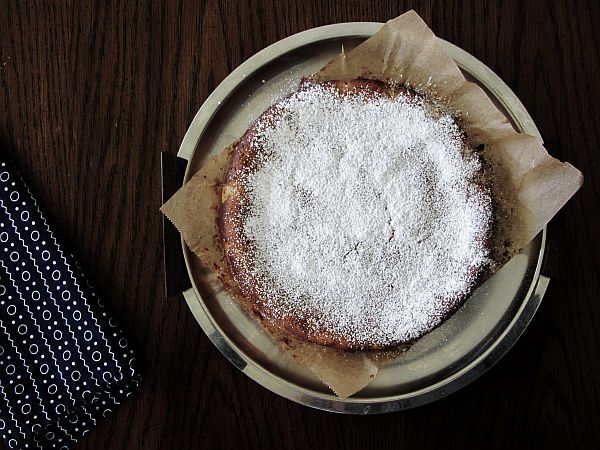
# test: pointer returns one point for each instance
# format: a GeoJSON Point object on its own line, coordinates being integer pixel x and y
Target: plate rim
{"type": "Point", "coordinates": [330, 402]}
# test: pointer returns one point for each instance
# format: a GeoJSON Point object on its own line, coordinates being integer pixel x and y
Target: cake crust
{"type": "Point", "coordinates": [239, 249]}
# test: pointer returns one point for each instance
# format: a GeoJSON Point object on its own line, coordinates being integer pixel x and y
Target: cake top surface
{"type": "Point", "coordinates": [362, 214]}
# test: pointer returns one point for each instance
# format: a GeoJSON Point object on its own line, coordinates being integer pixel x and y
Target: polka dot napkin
{"type": "Point", "coordinates": [63, 362]}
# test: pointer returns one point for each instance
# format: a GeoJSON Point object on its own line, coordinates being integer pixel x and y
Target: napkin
{"type": "Point", "coordinates": [64, 363]}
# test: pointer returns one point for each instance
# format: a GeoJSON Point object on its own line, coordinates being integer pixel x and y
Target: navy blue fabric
{"type": "Point", "coordinates": [63, 361]}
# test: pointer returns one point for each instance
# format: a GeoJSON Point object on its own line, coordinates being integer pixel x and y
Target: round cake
{"type": "Point", "coordinates": [356, 215]}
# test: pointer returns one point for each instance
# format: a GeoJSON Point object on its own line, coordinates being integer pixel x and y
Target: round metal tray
{"type": "Point", "coordinates": [451, 356]}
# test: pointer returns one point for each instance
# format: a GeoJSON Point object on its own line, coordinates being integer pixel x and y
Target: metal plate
{"type": "Point", "coordinates": [441, 362]}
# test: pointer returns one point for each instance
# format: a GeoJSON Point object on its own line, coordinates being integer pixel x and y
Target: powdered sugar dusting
{"type": "Point", "coordinates": [363, 216]}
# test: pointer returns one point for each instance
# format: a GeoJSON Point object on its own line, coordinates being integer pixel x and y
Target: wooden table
{"type": "Point", "coordinates": [92, 92]}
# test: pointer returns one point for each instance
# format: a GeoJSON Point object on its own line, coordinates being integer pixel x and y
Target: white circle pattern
{"type": "Point", "coordinates": [51, 316]}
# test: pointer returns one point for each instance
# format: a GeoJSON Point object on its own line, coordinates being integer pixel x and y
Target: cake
{"type": "Point", "coordinates": [355, 214]}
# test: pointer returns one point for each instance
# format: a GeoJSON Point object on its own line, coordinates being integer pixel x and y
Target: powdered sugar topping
{"type": "Point", "coordinates": [363, 216]}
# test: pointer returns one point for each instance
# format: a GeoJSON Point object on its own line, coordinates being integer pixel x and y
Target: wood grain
{"type": "Point", "coordinates": [92, 92]}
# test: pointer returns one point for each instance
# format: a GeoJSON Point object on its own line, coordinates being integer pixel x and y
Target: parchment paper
{"type": "Point", "coordinates": [529, 186]}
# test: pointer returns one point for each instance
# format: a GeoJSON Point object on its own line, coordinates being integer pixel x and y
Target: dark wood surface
{"type": "Point", "coordinates": [91, 92]}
